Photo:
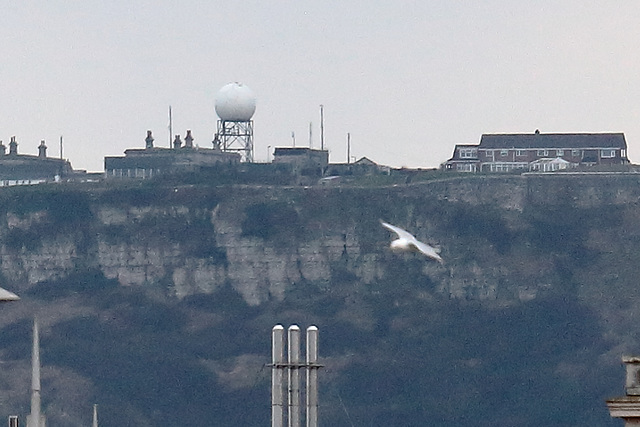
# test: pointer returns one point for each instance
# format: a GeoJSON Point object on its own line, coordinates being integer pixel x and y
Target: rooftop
{"type": "Point", "coordinates": [553, 140]}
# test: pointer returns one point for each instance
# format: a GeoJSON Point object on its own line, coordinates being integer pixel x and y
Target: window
{"type": "Point", "coordinates": [489, 153]}
{"type": "Point", "coordinates": [466, 167]}
{"type": "Point", "coordinates": [576, 153]}
{"type": "Point", "coordinates": [543, 153]}
{"type": "Point", "coordinates": [559, 153]}
{"type": "Point", "coordinates": [504, 153]}
{"type": "Point", "coordinates": [521, 153]}
{"type": "Point", "coordinates": [607, 153]}
{"type": "Point", "coordinates": [467, 153]}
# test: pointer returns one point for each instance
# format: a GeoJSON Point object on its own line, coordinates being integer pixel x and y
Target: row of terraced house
{"type": "Point", "coordinates": [543, 152]}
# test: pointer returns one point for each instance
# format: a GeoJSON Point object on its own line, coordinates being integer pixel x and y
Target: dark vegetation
{"type": "Point", "coordinates": [272, 220]}
{"type": "Point", "coordinates": [442, 362]}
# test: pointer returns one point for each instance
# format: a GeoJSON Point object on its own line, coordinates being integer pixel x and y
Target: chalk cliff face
{"type": "Point", "coordinates": [242, 239]}
{"type": "Point", "coordinates": [266, 241]}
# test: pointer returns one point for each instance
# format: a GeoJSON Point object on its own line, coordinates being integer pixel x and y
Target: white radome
{"type": "Point", "coordinates": [235, 102]}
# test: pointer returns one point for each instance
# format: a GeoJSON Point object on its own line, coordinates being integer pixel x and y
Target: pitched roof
{"type": "Point", "coordinates": [553, 140]}
{"type": "Point", "coordinates": [365, 161]}
{"type": "Point", "coordinates": [296, 150]}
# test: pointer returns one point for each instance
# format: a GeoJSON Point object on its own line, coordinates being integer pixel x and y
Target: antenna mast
{"type": "Point", "coordinates": [321, 127]}
{"type": "Point", "coordinates": [170, 127]}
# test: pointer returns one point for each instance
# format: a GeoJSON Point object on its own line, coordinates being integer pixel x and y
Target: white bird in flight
{"type": "Point", "coordinates": [407, 242]}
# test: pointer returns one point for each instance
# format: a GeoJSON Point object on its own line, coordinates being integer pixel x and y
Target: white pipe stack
{"type": "Point", "coordinates": [277, 376]}
{"type": "Point", "coordinates": [294, 376]}
{"type": "Point", "coordinates": [312, 376]}
{"type": "Point", "coordinates": [292, 364]}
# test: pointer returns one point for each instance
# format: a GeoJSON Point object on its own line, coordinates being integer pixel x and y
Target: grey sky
{"type": "Point", "coordinates": [407, 79]}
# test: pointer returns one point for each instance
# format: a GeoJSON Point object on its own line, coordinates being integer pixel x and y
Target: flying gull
{"type": "Point", "coordinates": [407, 242]}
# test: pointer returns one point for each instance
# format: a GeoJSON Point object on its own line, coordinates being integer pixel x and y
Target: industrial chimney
{"type": "Point", "coordinates": [292, 366]}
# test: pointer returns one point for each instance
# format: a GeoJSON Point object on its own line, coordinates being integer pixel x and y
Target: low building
{"type": "Point", "coordinates": [152, 161]}
{"type": "Point", "coordinates": [16, 169]}
{"type": "Point", "coordinates": [509, 152]}
{"type": "Point", "coordinates": [363, 166]}
{"type": "Point", "coordinates": [303, 161]}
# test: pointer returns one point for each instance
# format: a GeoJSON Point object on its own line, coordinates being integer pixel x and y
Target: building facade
{"type": "Point", "coordinates": [363, 166]}
{"type": "Point", "coordinates": [152, 161]}
{"type": "Point", "coordinates": [302, 161]}
{"type": "Point", "coordinates": [510, 152]}
{"type": "Point", "coordinates": [16, 169]}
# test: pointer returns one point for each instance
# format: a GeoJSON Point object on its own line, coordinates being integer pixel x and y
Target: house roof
{"type": "Point", "coordinates": [365, 161]}
{"type": "Point", "coordinates": [293, 151]}
{"type": "Point", "coordinates": [456, 152]}
{"type": "Point", "coordinates": [553, 140]}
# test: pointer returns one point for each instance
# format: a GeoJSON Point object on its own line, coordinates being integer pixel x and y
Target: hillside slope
{"type": "Point", "coordinates": [157, 301]}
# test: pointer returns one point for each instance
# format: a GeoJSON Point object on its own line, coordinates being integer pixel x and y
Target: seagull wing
{"type": "Point", "coordinates": [402, 234]}
{"type": "Point", "coordinates": [429, 251]}
{"type": "Point", "coordinates": [6, 295]}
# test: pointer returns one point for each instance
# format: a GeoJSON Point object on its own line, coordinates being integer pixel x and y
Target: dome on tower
{"type": "Point", "coordinates": [235, 102]}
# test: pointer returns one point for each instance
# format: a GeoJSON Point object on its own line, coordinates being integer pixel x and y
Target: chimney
{"type": "Point", "coordinates": [177, 142]}
{"type": "Point", "coordinates": [628, 407]}
{"type": "Point", "coordinates": [277, 376]}
{"type": "Point", "coordinates": [188, 140]}
{"type": "Point", "coordinates": [291, 365]}
{"type": "Point", "coordinates": [13, 146]}
{"type": "Point", "coordinates": [42, 150]}
{"type": "Point", "coordinates": [294, 375]}
{"type": "Point", "coordinates": [312, 376]}
{"type": "Point", "coordinates": [149, 140]}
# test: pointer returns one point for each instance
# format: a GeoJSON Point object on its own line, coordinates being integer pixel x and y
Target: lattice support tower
{"type": "Point", "coordinates": [235, 136]}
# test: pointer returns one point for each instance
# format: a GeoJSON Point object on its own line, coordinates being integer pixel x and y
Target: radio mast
{"type": "Point", "coordinates": [170, 127]}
